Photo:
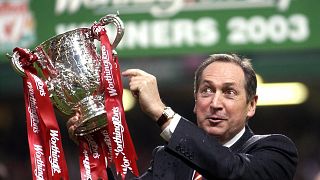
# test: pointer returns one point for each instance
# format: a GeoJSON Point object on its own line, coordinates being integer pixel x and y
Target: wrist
{"type": "Point", "coordinates": [166, 116]}
{"type": "Point", "coordinates": [157, 112]}
{"type": "Point", "coordinates": [169, 127]}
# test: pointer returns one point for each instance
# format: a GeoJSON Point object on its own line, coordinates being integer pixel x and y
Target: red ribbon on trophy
{"type": "Point", "coordinates": [123, 151]}
{"type": "Point", "coordinates": [91, 159]}
{"type": "Point", "coordinates": [46, 152]}
{"type": "Point", "coordinates": [115, 139]}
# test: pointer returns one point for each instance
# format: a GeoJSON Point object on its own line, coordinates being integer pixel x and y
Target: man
{"type": "Point", "coordinates": [222, 146]}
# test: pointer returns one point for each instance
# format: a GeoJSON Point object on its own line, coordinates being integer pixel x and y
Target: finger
{"type": "Point", "coordinates": [133, 72]}
{"type": "Point", "coordinates": [77, 111]}
{"type": "Point", "coordinates": [72, 121]}
{"type": "Point", "coordinates": [135, 87]}
{"type": "Point", "coordinates": [72, 136]}
{"type": "Point", "coordinates": [135, 94]}
{"type": "Point", "coordinates": [71, 130]}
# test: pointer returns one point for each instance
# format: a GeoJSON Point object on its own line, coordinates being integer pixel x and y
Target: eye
{"type": "Point", "coordinates": [230, 93]}
{"type": "Point", "coordinates": [206, 91]}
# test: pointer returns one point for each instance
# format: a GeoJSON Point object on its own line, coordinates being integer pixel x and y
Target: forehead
{"type": "Point", "coordinates": [223, 72]}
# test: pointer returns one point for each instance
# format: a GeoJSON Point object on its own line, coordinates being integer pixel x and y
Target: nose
{"type": "Point", "coordinates": [216, 102]}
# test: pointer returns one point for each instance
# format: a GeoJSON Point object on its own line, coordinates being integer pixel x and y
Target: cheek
{"type": "Point", "coordinates": [238, 115]}
{"type": "Point", "coordinates": [201, 107]}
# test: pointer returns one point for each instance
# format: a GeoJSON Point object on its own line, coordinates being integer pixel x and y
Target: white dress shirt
{"type": "Point", "coordinates": [168, 131]}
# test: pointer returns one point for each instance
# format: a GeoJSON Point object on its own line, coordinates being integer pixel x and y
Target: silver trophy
{"type": "Point", "coordinates": [70, 66]}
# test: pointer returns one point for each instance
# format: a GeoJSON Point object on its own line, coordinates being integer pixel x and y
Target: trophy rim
{"type": "Point", "coordinates": [63, 34]}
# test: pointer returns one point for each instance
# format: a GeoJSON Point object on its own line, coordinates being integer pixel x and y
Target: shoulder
{"type": "Point", "coordinates": [270, 140]}
{"type": "Point", "coordinates": [157, 149]}
{"type": "Point", "coordinates": [159, 152]}
{"type": "Point", "coordinates": [273, 142]}
{"type": "Point", "coordinates": [275, 152]}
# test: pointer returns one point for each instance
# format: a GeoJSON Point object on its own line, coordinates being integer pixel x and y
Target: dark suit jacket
{"type": "Point", "coordinates": [273, 157]}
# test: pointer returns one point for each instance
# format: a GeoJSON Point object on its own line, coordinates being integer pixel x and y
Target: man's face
{"type": "Point", "coordinates": [221, 105]}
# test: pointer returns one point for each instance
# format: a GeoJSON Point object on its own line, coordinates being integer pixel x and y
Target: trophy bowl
{"type": "Point", "coordinates": [70, 66]}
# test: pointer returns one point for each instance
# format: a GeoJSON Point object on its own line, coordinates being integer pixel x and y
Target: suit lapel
{"type": "Point", "coordinates": [244, 138]}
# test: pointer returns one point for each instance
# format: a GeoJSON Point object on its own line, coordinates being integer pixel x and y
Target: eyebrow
{"type": "Point", "coordinates": [227, 84]}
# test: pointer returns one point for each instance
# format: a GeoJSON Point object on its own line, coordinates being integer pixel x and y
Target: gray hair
{"type": "Point", "coordinates": [244, 63]}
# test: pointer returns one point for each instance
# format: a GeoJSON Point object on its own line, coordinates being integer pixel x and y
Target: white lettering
{"type": "Point", "coordinates": [34, 119]}
{"type": "Point", "coordinates": [141, 36]}
{"type": "Point", "coordinates": [165, 8]}
{"type": "Point", "coordinates": [39, 163]}
{"type": "Point", "coordinates": [39, 84]}
{"type": "Point", "coordinates": [161, 34]}
{"type": "Point", "coordinates": [206, 32]}
{"type": "Point", "coordinates": [118, 138]}
{"type": "Point", "coordinates": [165, 33]}
{"type": "Point", "coordinates": [54, 152]}
{"type": "Point", "coordinates": [93, 146]}
{"type": "Point", "coordinates": [86, 165]}
{"type": "Point", "coordinates": [126, 165]}
{"type": "Point", "coordinates": [118, 130]}
{"type": "Point", "coordinates": [72, 6]}
{"type": "Point", "coordinates": [276, 28]}
{"type": "Point", "coordinates": [178, 33]}
{"type": "Point", "coordinates": [186, 36]}
{"type": "Point", "coordinates": [299, 26]}
{"type": "Point", "coordinates": [161, 29]}
{"type": "Point", "coordinates": [108, 75]}
{"type": "Point", "coordinates": [107, 141]}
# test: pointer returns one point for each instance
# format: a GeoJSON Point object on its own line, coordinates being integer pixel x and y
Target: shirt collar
{"type": "Point", "coordinates": [234, 139]}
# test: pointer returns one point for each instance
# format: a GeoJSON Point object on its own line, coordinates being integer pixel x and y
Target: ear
{"type": "Point", "coordinates": [252, 106]}
{"type": "Point", "coordinates": [195, 104]}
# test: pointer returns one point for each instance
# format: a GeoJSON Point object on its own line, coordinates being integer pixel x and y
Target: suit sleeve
{"type": "Point", "coordinates": [274, 157]}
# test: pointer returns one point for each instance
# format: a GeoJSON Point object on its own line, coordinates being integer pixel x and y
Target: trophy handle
{"type": "Point", "coordinates": [114, 18]}
{"type": "Point", "coordinates": [110, 18]}
{"type": "Point", "coordinates": [16, 64]}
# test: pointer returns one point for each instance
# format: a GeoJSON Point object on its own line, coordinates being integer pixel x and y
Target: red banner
{"type": "Point", "coordinates": [46, 152]}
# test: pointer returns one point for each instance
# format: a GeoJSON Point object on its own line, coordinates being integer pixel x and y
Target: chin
{"type": "Point", "coordinates": [214, 131]}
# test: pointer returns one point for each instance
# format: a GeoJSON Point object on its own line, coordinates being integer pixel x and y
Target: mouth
{"type": "Point", "coordinates": [216, 119]}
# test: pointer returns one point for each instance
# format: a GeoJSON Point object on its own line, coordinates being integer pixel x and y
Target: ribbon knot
{"type": "Point", "coordinates": [26, 57]}
{"type": "Point", "coordinates": [97, 30]}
